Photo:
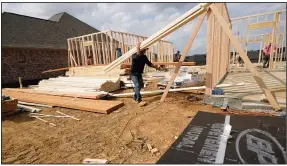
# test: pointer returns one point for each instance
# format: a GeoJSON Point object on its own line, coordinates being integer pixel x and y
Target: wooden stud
{"type": "Point", "coordinates": [20, 82]}
{"type": "Point", "coordinates": [185, 51]}
{"type": "Point", "coordinates": [98, 50]}
{"type": "Point", "coordinates": [260, 51]}
{"type": "Point", "coordinates": [107, 44]}
{"type": "Point", "coordinates": [271, 98]}
{"type": "Point", "coordinates": [73, 50]}
{"type": "Point", "coordinates": [273, 39]}
{"type": "Point", "coordinates": [209, 53]}
{"type": "Point", "coordinates": [103, 50]}
{"type": "Point", "coordinates": [77, 51]}
{"type": "Point", "coordinates": [69, 48]}
{"type": "Point", "coordinates": [93, 50]}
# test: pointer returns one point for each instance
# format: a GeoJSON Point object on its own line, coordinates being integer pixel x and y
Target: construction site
{"type": "Point", "coordinates": [229, 111]}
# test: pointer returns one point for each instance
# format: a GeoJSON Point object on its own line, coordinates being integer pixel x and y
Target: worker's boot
{"type": "Point", "coordinates": [142, 103]}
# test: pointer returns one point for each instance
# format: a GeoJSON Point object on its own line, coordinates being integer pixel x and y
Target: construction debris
{"type": "Point", "coordinates": [9, 106]}
{"type": "Point", "coordinates": [29, 108]}
{"type": "Point", "coordinates": [95, 161]}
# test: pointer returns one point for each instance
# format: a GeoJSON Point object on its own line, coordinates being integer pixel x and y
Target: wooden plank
{"type": "Point", "coordinates": [77, 51]}
{"type": "Point", "coordinates": [245, 58]}
{"type": "Point", "coordinates": [88, 43]}
{"type": "Point", "coordinates": [255, 15]}
{"type": "Point", "coordinates": [185, 51]}
{"type": "Point", "coordinates": [103, 50]}
{"type": "Point", "coordinates": [273, 39]}
{"type": "Point", "coordinates": [185, 18]}
{"type": "Point", "coordinates": [54, 70]}
{"type": "Point", "coordinates": [261, 25]}
{"type": "Point", "coordinates": [83, 95]}
{"type": "Point", "coordinates": [209, 50]}
{"type": "Point", "coordinates": [99, 54]}
{"type": "Point", "coordinates": [69, 49]}
{"type": "Point", "coordinates": [260, 51]}
{"type": "Point", "coordinates": [100, 106]}
{"type": "Point", "coordinates": [93, 49]}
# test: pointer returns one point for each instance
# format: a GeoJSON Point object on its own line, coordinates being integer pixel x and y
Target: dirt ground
{"type": "Point", "coordinates": [117, 137]}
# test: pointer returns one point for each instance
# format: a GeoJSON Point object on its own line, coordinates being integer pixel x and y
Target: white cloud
{"type": "Point", "coordinates": [139, 18]}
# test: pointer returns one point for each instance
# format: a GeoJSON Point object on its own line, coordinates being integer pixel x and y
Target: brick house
{"type": "Point", "coordinates": [32, 45]}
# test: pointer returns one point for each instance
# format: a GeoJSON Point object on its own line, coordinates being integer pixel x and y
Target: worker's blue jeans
{"type": "Point", "coordinates": [138, 83]}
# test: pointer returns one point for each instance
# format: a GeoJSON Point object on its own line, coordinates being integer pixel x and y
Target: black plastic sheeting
{"type": "Point", "coordinates": [255, 140]}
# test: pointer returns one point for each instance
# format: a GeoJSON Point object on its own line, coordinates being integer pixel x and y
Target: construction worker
{"type": "Point", "coordinates": [89, 60]}
{"type": "Point", "coordinates": [177, 56]}
{"type": "Point", "coordinates": [139, 60]}
{"type": "Point", "coordinates": [119, 52]}
{"type": "Point", "coordinates": [267, 51]}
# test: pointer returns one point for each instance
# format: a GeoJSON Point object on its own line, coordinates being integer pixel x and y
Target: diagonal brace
{"type": "Point", "coordinates": [185, 51]}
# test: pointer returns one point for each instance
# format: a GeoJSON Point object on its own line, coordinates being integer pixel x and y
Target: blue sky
{"type": "Point", "coordinates": [140, 18]}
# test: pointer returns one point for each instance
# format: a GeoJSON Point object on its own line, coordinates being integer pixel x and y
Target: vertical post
{"type": "Point", "coordinates": [77, 50]}
{"type": "Point", "coordinates": [93, 50]}
{"type": "Point", "coordinates": [20, 82]}
{"type": "Point", "coordinates": [103, 50]}
{"type": "Point", "coordinates": [247, 38]}
{"type": "Point", "coordinates": [260, 50]}
{"type": "Point", "coordinates": [123, 44]}
{"type": "Point", "coordinates": [209, 53]}
{"type": "Point", "coordinates": [273, 38]}
{"type": "Point", "coordinates": [69, 53]}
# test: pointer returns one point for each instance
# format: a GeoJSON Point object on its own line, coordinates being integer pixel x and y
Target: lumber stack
{"type": "Point", "coordinates": [79, 84]}
{"type": "Point", "coordinates": [99, 106]}
{"type": "Point", "coordinates": [9, 106]}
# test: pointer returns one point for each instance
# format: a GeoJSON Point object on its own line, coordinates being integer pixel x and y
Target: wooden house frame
{"type": "Point", "coordinates": [219, 35]}
{"type": "Point", "coordinates": [79, 48]}
{"type": "Point", "coordinates": [260, 21]}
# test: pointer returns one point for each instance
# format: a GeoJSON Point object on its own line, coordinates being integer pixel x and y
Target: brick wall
{"type": "Point", "coordinates": [29, 63]}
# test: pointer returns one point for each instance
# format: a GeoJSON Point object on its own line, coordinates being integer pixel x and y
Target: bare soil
{"type": "Point", "coordinates": [117, 137]}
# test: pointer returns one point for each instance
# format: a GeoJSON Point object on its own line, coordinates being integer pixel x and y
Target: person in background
{"type": "Point", "coordinates": [177, 56]}
{"type": "Point", "coordinates": [139, 60]}
{"type": "Point", "coordinates": [267, 52]}
{"type": "Point", "coordinates": [119, 52]}
{"type": "Point", "coordinates": [89, 60]}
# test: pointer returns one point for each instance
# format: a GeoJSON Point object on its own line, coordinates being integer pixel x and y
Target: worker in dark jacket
{"type": "Point", "coordinates": [139, 60]}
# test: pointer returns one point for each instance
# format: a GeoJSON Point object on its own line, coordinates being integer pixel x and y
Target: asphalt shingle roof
{"type": "Point", "coordinates": [25, 31]}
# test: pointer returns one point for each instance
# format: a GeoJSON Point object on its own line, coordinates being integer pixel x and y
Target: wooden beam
{"type": "Point", "coordinates": [261, 25]}
{"type": "Point", "coordinates": [179, 22]}
{"type": "Point", "coordinates": [103, 49]}
{"type": "Point", "coordinates": [273, 38]}
{"type": "Point", "coordinates": [185, 51]}
{"type": "Point", "coordinates": [93, 50]}
{"type": "Point", "coordinates": [245, 58]}
{"type": "Point", "coordinates": [209, 52]}
{"type": "Point", "coordinates": [260, 50]}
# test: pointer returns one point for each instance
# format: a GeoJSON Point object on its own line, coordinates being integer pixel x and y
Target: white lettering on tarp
{"type": "Point", "coordinates": [262, 155]}
{"type": "Point", "coordinates": [190, 137]}
{"type": "Point", "coordinates": [259, 143]}
{"type": "Point", "coordinates": [262, 148]}
{"type": "Point", "coordinates": [211, 144]}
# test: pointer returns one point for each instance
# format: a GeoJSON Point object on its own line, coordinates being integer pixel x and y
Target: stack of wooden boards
{"type": "Point", "coordinates": [82, 90]}
{"type": "Point", "coordinates": [9, 106]}
{"type": "Point", "coordinates": [79, 103]}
